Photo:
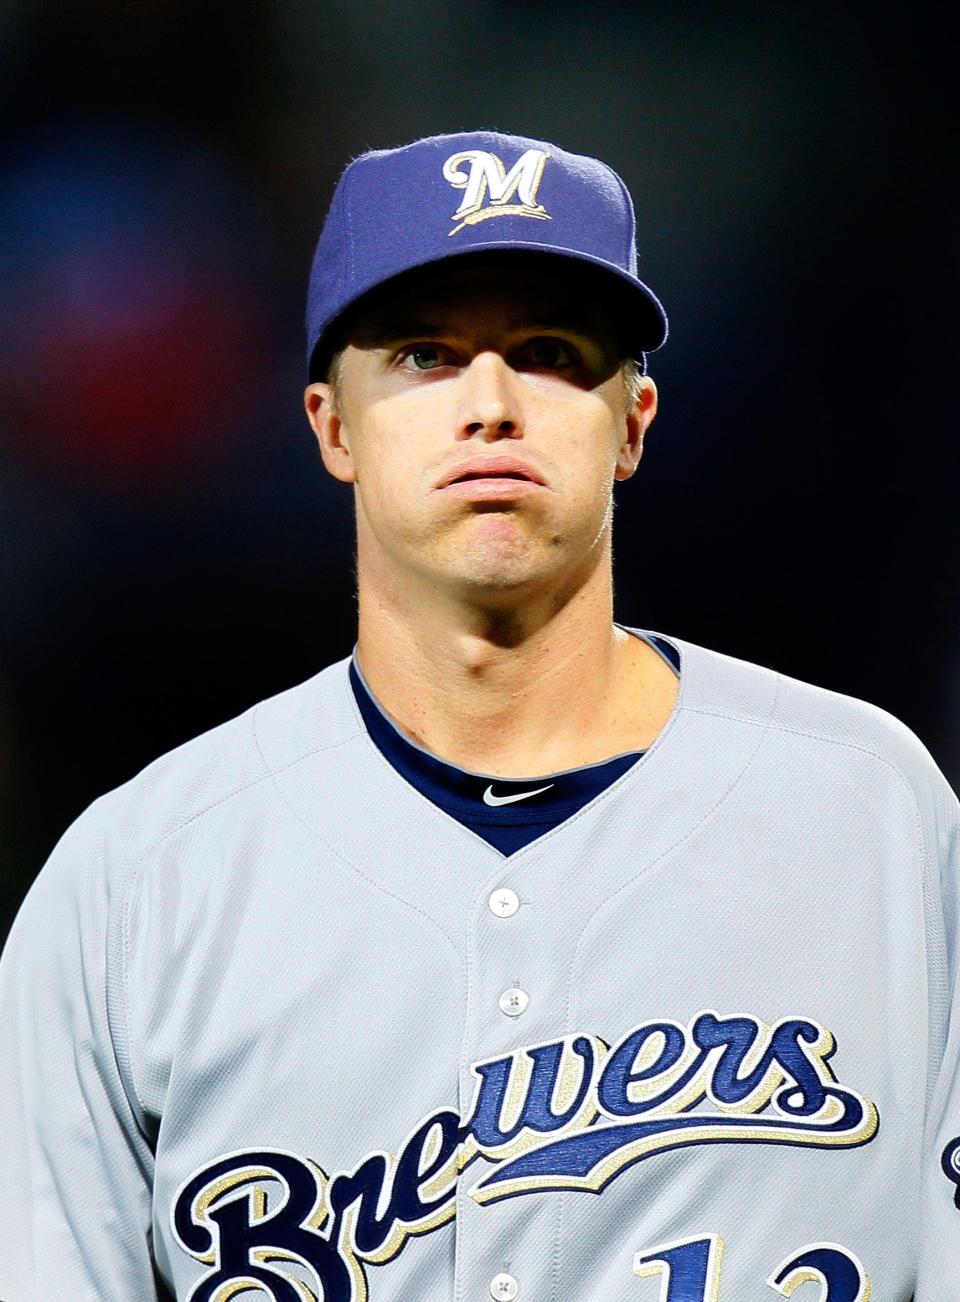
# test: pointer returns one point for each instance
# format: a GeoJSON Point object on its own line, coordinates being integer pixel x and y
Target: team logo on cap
{"type": "Point", "coordinates": [488, 187]}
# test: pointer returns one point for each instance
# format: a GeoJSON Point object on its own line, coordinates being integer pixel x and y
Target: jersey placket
{"type": "Point", "coordinates": [505, 1012]}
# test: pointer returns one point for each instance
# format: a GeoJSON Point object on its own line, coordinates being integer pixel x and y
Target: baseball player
{"type": "Point", "coordinates": [521, 955]}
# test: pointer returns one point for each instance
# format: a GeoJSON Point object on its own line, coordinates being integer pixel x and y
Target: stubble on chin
{"type": "Point", "coordinates": [498, 555]}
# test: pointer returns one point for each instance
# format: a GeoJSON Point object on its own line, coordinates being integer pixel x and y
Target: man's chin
{"type": "Point", "coordinates": [498, 554]}
{"type": "Point", "coordinates": [509, 580]}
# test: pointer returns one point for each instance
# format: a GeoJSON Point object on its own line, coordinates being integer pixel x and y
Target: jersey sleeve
{"type": "Point", "coordinates": [75, 1198]}
{"type": "Point", "coordinates": [938, 1276]}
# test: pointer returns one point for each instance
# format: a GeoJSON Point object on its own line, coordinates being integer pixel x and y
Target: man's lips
{"type": "Point", "coordinates": [492, 474]}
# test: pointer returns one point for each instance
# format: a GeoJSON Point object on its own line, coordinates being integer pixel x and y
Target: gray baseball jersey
{"type": "Point", "coordinates": [274, 1025]}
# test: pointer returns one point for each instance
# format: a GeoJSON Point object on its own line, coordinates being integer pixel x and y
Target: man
{"type": "Point", "coordinates": [523, 955]}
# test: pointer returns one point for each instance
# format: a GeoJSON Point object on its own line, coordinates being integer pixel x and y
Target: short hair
{"type": "Point", "coordinates": [633, 372]}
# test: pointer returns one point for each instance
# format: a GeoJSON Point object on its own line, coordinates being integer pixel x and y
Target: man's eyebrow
{"type": "Point", "coordinates": [573, 322]}
{"type": "Point", "coordinates": [388, 328]}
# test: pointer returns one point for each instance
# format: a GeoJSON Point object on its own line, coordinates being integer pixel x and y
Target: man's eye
{"type": "Point", "coordinates": [554, 354]}
{"type": "Point", "coordinates": [423, 357]}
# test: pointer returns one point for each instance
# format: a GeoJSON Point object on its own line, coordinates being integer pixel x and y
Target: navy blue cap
{"type": "Point", "coordinates": [475, 192]}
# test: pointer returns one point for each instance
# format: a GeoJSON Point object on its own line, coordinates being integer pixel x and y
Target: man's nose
{"type": "Point", "coordinates": [489, 404]}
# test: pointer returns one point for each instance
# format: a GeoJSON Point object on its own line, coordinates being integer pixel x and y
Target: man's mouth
{"type": "Point", "coordinates": [492, 470]}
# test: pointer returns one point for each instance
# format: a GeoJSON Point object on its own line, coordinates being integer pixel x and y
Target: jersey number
{"type": "Point", "coordinates": [690, 1271]}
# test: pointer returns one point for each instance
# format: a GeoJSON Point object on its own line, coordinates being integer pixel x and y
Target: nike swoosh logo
{"type": "Point", "coordinates": [490, 799]}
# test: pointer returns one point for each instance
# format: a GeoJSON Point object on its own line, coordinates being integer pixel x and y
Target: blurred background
{"type": "Point", "coordinates": [171, 550]}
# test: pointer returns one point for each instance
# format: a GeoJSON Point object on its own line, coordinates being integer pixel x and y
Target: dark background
{"type": "Point", "coordinates": [170, 548]}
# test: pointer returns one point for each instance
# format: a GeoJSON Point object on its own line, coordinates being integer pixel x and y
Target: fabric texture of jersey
{"type": "Point", "coordinates": [260, 1030]}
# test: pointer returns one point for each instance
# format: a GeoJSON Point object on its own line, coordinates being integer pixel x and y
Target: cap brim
{"type": "Point", "coordinates": [640, 317]}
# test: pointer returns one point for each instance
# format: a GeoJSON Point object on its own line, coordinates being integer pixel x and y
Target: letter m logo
{"type": "Point", "coordinates": [488, 187]}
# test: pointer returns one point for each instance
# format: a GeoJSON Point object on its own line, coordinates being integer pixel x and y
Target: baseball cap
{"type": "Point", "coordinates": [469, 193]}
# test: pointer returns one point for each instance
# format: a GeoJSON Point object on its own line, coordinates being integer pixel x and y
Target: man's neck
{"type": "Point", "coordinates": [517, 694]}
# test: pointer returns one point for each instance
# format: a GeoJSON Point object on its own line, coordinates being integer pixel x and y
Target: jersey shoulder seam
{"type": "Point", "coordinates": [342, 858]}
{"type": "Point", "coordinates": [925, 866]}
{"type": "Point", "coordinates": [136, 865]}
{"type": "Point", "coordinates": [828, 739]}
{"type": "Point", "coordinates": [268, 772]}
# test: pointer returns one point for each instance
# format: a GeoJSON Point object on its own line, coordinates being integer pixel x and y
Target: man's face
{"type": "Point", "coordinates": [482, 414]}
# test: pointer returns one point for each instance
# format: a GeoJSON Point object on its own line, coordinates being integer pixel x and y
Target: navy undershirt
{"type": "Point", "coordinates": [481, 802]}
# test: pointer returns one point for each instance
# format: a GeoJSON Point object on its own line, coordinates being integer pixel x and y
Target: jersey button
{"type": "Point", "coordinates": [504, 902]}
{"type": "Point", "coordinates": [504, 1287]}
{"type": "Point", "coordinates": [514, 1001]}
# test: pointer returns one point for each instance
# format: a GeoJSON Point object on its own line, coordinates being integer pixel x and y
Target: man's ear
{"type": "Point", "coordinates": [327, 425]}
{"type": "Point", "coordinates": [638, 419]}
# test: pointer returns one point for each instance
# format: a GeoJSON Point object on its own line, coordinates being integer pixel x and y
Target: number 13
{"type": "Point", "coordinates": [690, 1270]}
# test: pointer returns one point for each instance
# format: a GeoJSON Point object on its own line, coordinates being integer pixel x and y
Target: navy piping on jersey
{"type": "Point", "coordinates": [508, 813]}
